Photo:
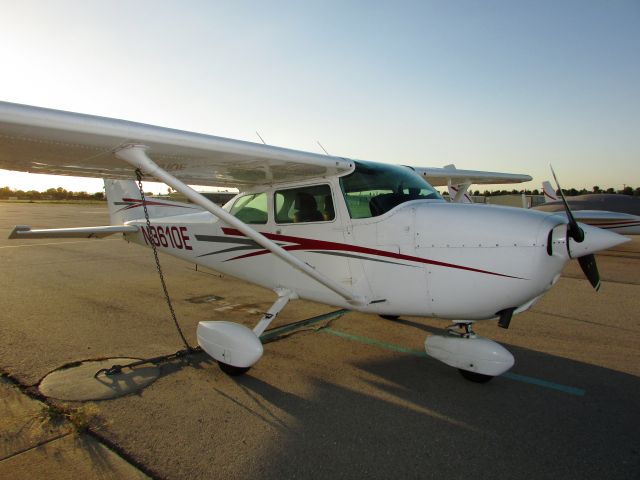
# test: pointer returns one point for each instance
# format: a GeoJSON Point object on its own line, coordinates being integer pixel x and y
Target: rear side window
{"type": "Point", "coordinates": [251, 208]}
{"type": "Point", "coordinates": [304, 204]}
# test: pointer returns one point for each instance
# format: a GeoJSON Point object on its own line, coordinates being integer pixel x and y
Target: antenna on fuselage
{"type": "Point", "coordinates": [260, 137]}
{"type": "Point", "coordinates": [323, 149]}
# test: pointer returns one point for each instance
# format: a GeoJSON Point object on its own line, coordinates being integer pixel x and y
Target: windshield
{"type": "Point", "coordinates": [375, 188]}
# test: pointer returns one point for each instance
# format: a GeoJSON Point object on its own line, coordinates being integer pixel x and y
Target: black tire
{"type": "Point", "coordinates": [474, 376]}
{"type": "Point", "coordinates": [390, 317]}
{"type": "Point", "coordinates": [233, 371]}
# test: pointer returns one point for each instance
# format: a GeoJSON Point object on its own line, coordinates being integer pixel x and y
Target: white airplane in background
{"type": "Point", "coordinates": [617, 213]}
{"type": "Point", "coordinates": [454, 190]}
{"type": "Point", "coordinates": [360, 235]}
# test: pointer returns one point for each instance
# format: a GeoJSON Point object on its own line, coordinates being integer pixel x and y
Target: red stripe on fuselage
{"type": "Point", "coordinates": [312, 244]}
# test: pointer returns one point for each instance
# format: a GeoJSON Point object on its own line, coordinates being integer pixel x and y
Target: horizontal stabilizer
{"type": "Point", "coordinates": [24, 231]}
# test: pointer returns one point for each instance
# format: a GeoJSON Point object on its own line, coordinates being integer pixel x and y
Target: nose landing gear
{"type": "Point", "coordinates": [478, 359]}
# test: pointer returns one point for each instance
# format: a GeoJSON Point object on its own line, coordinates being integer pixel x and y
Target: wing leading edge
{"type": "Point", "coordinates": [39, 140]}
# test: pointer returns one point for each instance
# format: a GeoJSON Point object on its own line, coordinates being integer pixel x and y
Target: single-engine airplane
{"type": "Point", "coordinates": [356, 234]}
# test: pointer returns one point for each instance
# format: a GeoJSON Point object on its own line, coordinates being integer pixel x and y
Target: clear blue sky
{"type": "Point", "coordinates": [489, 85]}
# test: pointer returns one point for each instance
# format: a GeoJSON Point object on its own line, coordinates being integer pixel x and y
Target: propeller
{"type": "Point", "coordinates": [590, 269]}
{"type": "Point", "coordinates": [574, 231]}
{"type": "Point", "coordinates": [587, 262]}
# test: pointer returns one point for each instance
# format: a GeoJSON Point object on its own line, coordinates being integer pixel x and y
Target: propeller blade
{"type": "Point", "coordinates": [574, 231]}
{"type": "Point", "coordinates": [587, 262]}
{"type": "Point", "coordinates": [590, 269]}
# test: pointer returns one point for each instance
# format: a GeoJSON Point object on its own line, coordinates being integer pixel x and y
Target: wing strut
{"type": "Point", "coordinates": [136, 155]}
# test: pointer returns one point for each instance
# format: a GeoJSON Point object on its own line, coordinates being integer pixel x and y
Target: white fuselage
{"type": "Point", "coordinates": [423, 257]}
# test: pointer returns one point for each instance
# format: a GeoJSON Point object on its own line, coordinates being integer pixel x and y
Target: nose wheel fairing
{"type": "Point", "coordinates": [461, 348]}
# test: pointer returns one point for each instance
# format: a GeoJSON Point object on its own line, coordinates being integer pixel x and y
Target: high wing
{"type": "Point", "coordinates": [40, 140]}
{"type": "Point", "coordinates": [451, 175]}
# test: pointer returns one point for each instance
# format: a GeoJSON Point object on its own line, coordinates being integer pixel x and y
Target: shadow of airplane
{"type": "Point", "coordinates": [410, 417]}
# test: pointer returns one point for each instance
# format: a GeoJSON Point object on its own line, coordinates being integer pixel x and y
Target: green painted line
{"type": "Point", "coordinates": [375, 343]}
{"type": "Point", "coordinates": [543, 383]}
{"type": "Point", "coordinates": [509, 375]}
{"type": "Point", "coordinates": [271, 334]}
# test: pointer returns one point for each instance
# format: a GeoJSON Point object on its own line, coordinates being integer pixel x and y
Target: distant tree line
{"type": "Point", "coordinates": [62, 194]}
{"type": "Point", "coordinates": [50, 194]}
{"type": "Point", "coordinates": [571, 192]}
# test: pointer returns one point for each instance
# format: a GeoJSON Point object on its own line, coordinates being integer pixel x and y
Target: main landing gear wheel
{"type": "Point", "coordinates": [232, 370]}
{"type": "Point", "coordinates": [475, 376]}
{"type": "Point", "coordinates": [390, 317]}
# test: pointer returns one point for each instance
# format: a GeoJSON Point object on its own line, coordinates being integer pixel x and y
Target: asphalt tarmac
{"type": "Point", "coordinates": [351, 397]}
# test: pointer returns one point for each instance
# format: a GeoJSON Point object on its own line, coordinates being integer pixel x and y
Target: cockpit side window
{"type": "Point", "coordinates": [251, 208]}
{"type": "Point", "coordinates": [373, 189]}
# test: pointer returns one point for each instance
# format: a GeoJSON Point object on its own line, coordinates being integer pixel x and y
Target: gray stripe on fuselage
{"type": "Point", "coordinates": [225, 239]}
{"type": "Point", "coordinates": [227, 250]}
{"type": "Point", "coordinates": [246, 243]}
{"type": "Point", "coordinates": [360, 257]}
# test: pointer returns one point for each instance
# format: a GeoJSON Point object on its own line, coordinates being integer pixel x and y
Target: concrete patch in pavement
{"type": "Point", "coordinates": [79, 383]}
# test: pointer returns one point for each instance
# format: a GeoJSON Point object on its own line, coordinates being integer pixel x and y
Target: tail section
{"type": "Point", "coordinates": [125, 203]}
{"type": "Point", "coordinates": [549, 193]}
